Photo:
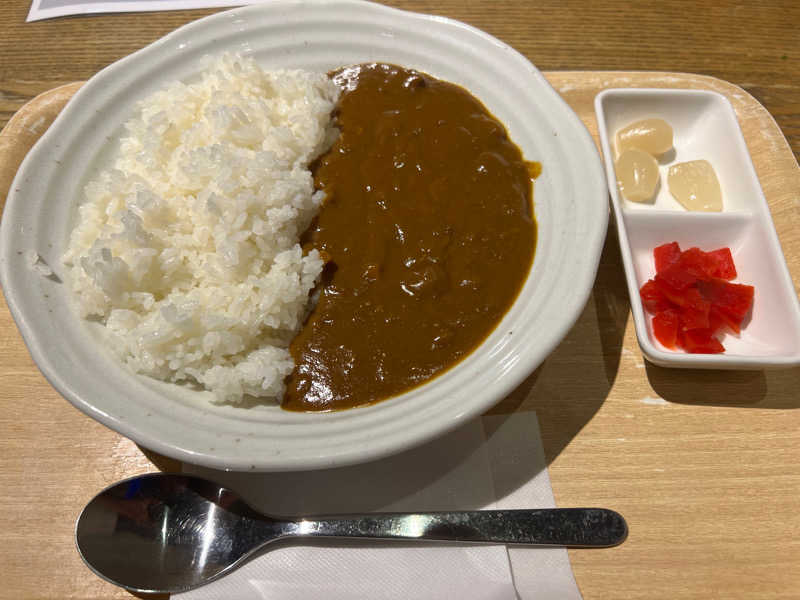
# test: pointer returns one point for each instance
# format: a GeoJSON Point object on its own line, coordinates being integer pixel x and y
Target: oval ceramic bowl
{"type": "Point", "coordinates": [570, 203]}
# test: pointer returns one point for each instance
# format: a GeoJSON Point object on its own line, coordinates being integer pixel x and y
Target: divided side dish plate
{"type": "Point", "coordinates": [705, 127]}
{"type": "Point", "coordinates": [570, 205]}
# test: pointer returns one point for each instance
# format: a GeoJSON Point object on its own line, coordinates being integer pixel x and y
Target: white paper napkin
{"type": "Point", "coordinates": [493, 462]}
{"type": "Point", "coordinates": [49, 9]}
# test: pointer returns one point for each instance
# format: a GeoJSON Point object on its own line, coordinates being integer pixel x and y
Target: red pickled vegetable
{"type": "Point", "coordinates": [692, 299]}
{"type": "Point", "coordinates": [665, 327]}
{"type": "Point", "coordinates": [699, 264]}
{"type": "Point", "coordinates": [701, 341]}
{"type": "Point", "coordinates": [733, 298]}
{"type": "Point", "coordinates": [718, 319]}
{"type": "Point", "coordinates": [694, 313]}
{"type": "Point", "coordinates": [653, 299]}
{"type": "Point", "coordinates": [725, 269]}
{"type": "Point", "coordinates": [677, 276]}
{"type": "Point", "coordinates": [666, 255]}
{"type": "Point", "coordinates": [675, 296]}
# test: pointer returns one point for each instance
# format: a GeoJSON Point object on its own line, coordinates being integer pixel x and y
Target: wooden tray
{"type": "Point", "coordinates": [704, 465]}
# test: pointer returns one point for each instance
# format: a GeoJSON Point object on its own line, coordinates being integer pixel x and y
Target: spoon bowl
{"type": "Point", "coordinates": [167, 533]}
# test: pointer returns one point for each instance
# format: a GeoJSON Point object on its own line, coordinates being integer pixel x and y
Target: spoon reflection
{"type": "Point", "coordinates": [167, 533]}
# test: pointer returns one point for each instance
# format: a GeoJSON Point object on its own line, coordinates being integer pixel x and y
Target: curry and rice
{"type": "Point", "coordinates": [323, 242]}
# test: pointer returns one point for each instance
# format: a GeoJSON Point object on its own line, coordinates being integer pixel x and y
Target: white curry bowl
{"type": "Point", "coordinates": [571, 209]}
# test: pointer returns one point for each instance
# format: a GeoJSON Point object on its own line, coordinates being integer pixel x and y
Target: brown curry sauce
{"type": "Point", "coordinates": [428, 231]}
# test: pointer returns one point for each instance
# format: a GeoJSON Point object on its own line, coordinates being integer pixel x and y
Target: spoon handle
{"type": "Point", "coordinates": [572, 527]}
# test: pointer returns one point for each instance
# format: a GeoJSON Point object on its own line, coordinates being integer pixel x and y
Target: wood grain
{"type": "Point", "coordinates": [752, 44]}
{"type": "Point", "coordinates": [703, 464]}
{"type": "Point", "coordinates": [27, 125]}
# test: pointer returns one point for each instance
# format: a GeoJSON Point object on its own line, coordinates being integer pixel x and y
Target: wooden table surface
{"type": "Point", "coordinates": [703, 464]}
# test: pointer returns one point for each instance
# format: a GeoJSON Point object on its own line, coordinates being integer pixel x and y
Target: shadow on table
{"type": "Point", "coordinates": [146, 596]}
{"type": "Point", "coordinates": [161, 462]}
{"type": "Point", "coordinates": [751, 389]}
{"type": "Point", "coordinates": [571, 385]}
{"type": "Point", "coordinates": [446, 473]}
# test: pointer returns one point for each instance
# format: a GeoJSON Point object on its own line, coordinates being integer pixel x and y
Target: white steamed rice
{"type": "Point", "coordinates": [187, 247]}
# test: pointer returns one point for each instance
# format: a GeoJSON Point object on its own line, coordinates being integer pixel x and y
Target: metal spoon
{"type": "Point", "coordinates": [172, 533]}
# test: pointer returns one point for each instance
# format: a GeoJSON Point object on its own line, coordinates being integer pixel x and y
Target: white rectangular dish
{"type": "Point", "coordinates": [705, 127]}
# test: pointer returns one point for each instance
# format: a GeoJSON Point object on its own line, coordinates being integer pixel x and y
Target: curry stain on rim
{"type": "Point", "coordinates": [428, 232]}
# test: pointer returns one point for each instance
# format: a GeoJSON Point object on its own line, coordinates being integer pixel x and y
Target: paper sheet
{"type": "Point", "coordinates": [494, 462]}
{"type": "Point", "coordinates": [48, 9]}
